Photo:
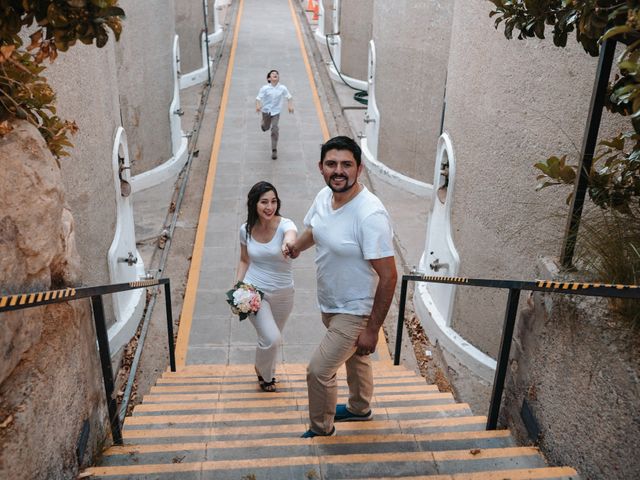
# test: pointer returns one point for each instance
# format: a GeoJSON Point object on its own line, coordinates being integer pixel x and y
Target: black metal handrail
{"type": "Point", "coordinates": [36, 299]}
{"type": "Point", "coordinates": [514, 287]}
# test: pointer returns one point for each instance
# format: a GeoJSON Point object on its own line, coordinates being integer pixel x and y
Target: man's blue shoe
{"type": "Point", "coordinates": [344, 415]}
{"type": "Point", "coordinates": [310, 434]}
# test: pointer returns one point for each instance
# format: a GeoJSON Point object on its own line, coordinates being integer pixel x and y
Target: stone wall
{"type": "Point", "coordinates": [576, 369]}
{"type": "Point", "coordinates": [50, 380]}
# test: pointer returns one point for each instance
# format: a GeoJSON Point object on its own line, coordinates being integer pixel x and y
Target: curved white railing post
{"type": "Point", "coordinates": [217, 34]}
{"type": "Point", "coordinates": [369, 141]}
{"type": "Point", "coordinates": [124, 261]}
{"type": "Point", "coordinates": [172, 167]}
{"type": "Point", "coordinates": [434, 302]}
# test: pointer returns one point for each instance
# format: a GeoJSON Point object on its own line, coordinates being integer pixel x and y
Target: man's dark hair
{"type": "Point", "coordinates": [269, 74]}
{"type": "Point", "coordinates": [342, 143]}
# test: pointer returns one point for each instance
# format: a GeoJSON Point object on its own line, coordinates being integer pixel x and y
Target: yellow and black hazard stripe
{"type": "Point", "coordinates": [144, 283]}
{"type": "Point", "coordinates": [442, 278]}
{"type": "Point", "coordinates": [36, 297]}
{"type": "Point", "coordinates": [551, 285]}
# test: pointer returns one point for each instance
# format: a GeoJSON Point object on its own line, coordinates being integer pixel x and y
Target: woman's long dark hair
{"type": "Point", "coordinates": [253, 197]}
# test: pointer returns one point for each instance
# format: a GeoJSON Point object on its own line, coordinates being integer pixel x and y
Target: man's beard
{"type": "Point", "coordinates": [346, 188]}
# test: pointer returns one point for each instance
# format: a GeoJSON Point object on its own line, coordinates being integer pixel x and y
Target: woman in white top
{"type": "Point", "coordinates": [263, 240]}
{"type": "Point", "coordinates": [269, 102]}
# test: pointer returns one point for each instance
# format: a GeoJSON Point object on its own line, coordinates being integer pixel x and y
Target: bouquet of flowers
{"type": "Point", "coordinates": [244, 299]}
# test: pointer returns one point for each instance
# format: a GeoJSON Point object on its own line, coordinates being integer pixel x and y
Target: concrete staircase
{"type": "Point", "coordinates": [213, 422]}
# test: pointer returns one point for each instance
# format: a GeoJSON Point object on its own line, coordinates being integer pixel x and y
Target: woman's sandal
{"type": "Point", "coordinates": [267, 386]}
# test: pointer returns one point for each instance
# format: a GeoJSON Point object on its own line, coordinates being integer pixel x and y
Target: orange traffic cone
{"type": "Point", "coordinates": [309, 6]}
{"type": "Point", "coordinates": [316, 10]}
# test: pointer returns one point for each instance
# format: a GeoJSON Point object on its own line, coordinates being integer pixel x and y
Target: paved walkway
{"type": "Point", "coordinates": [240, 157]}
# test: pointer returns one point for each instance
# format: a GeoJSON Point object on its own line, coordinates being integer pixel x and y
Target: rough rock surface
{"type": "Point", "coordinates": [50, 381]}
{"type": "Point", "coordinates": [575, 367]}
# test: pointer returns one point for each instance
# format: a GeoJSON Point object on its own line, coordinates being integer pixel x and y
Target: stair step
{"type": "Point", "coordinates": [365, 465]}
{"type": "Point", "coordinates": [289, 415]}
{"type": "Point", "coordinates": [367, 443]}
{"type": "Point", "coordinates": [379, 367]}
{"type": "Point", "coordinates": [213, 422]}
{"type": "Point", "coordinates": [269, 401]}
{"type": "Point", "coordinates": [547, 473]}
{"type": "Point", "coordinates": [418, 426]}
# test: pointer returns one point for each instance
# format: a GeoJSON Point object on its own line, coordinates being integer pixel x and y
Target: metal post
{"type": "Point", "coordinates": [589, 142]}
{"type": "Point", "coordinates": [503, 357]}
{"type": "Point", "coordinates": [403, 301]}
{"type": "Point", "coordinates": [107, 372]}
{"type": "Point", "coordinates": [206, 36]}
{"type": "Point", "coordinates": [169, 315]}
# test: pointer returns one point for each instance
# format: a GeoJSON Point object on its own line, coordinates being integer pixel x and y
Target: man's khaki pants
{"type": "Point", "coordinates": [271, 122]}
{"type": "Point", "coordinates": [338, 347]}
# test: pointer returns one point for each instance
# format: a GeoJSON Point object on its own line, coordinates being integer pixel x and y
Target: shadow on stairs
{"type": "Point", "coordinates": [213, 422]}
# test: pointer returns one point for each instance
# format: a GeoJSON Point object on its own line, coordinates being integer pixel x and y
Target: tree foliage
{"type": "Point", "coordinates": [614, 179]}
{"type": "Point", "coordinates": [56, 26]}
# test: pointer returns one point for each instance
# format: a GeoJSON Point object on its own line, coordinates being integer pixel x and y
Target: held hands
{"type": "Point", "coordinates": [289, 250]}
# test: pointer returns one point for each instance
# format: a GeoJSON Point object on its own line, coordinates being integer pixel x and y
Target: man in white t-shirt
{"type": "Point", "coordinates": [356, 276]}
{"type": "Point", "coordinates": [269, 102]}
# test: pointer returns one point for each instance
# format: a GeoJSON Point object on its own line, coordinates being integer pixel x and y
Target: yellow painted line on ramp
{"type": "Point", "coordinates": [182, 344]}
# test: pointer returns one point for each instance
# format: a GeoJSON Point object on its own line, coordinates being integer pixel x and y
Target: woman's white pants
{"type": "Point", "coordinates": [269, 323]}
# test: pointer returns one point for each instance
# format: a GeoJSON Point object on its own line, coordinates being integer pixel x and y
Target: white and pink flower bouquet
{"type": "Point", "coordinates": [244, 299]}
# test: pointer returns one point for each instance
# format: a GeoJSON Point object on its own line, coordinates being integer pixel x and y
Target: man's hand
{"type": "Point", "coordinates": [290, 109]}
{"type": "Point", "coordinates": [290, 250]}
{"type": "Point", "coordinates": [367, 341]}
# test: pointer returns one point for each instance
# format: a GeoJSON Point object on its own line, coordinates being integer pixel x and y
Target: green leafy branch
{"type": "Point", "coordinates": [24, 92]}
{"type": "Point", "coordinates": [614, 179]}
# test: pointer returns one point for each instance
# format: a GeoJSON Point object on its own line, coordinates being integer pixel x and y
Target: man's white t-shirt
{"type": "Point", "coordinates": [271, 98]}
{"type": "Point", "coordinates": [346, 239]}
{"type": "Point", "coordinates": [268, 269]}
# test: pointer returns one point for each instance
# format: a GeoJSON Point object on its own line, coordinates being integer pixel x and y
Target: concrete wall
{"type": "Point", "coordinates": [412, 46]}
{"type": "Point", "coordinates": [355, 33]}
{"type": "Point", "coordinates": [86, 75]}
{"type": "Point", "coordinates": [329, 6]}
{"type": "Point", "coordinates": [144, 58]}
{"type": "Point", "coordinates": [576, 366]}
{"type": "Point", "coordinates": [189, 19]}
{"type": "Point", "coordinates": [509, 104]}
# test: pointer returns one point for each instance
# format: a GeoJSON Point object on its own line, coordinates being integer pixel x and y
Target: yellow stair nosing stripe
{"type": "Point", "coordinates": [204, 466]}
{"type": "Point", "coordinates": [514, 474]}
